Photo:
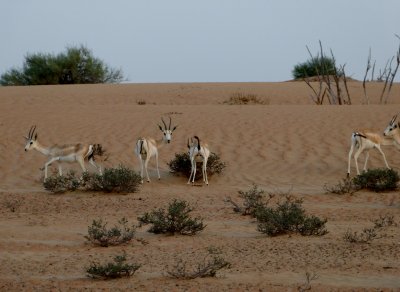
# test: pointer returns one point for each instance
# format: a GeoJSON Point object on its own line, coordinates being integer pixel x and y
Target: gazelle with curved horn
{"type": "Point", "coordinates": [198, 153]}
{"type": "Point", "coordinates": [393, 131]}
{"type": "Point", "coordinates": [367, 140]}
{"type": "Point", "coordinates": [61, 153]}
{"type": "Point", "coordinates": [148, 147]}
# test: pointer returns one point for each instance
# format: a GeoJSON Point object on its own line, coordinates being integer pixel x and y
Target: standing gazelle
{"type": "Point", "coordinates": [198, 153]}
{"type": "Point", "coordinates": [365, 141]}
{"type": "Point", "coordinates": [393, 131]}
{"type": "Point", "coordinates": [148, 147]}
{"type": "Point", "coordinates": [63, 153]}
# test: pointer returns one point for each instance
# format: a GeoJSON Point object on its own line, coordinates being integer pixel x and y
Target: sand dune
{"type": "Point", "coordinates": [286, 145]}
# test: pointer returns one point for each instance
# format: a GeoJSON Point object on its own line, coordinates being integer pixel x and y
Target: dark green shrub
{"type": "Point", "coordinates": [99, 234]}
{"type": "Point", "coordinates": [287, 217]}
{"type": "Point", "coordinates": [314, 67]}
{"type": "Point", "coordinates": [61, 184]}
{"type": "Point", "coordinates": [76, 66]}
{"type": "Point", "coordinates": [346, 186]}
{"type": "Point", "coordinates": [116, 269]}
{"type": "Point", "coordinates": [181, 165]}
{"type": "Point", "coordinates": [378, 180]}
{"type": "Point", "coordinates": [207, 266]}
{"type": "Point", "coordinates": [117, 180]}
{"type": "Point", "coordinates": [252, 200]}
{"type": "Point", "coordinates": [175, 219]}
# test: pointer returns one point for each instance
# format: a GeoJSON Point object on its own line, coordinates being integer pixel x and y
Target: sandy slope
{"type": "Point", "coordinates": [287, 145]}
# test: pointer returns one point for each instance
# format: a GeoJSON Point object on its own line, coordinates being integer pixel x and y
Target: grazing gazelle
{"type": "Point", "coordinates": [365, 141]}
{"type": "Point", "coordinates": [198, 153]}
{"type": "Point", "coordinates": [65, 153]}
{"type": "Point", "coordinates": [148, 147]}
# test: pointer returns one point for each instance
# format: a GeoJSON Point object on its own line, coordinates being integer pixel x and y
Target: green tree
{"type": "Point", "coordinates": [314, 67]}
{"type": "Point", "coordinates": [75, 66]}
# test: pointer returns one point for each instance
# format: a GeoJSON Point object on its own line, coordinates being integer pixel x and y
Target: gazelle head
{"type": "Point", "coordinates": [167, 132]}
{"type": "Point", "coordinates": [31, 140]}
{"type": "Point", "coordinates": [390, 129]}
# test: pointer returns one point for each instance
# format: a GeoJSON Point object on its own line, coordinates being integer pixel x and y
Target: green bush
{"type": "Point", "coordinates": [175, 219]}
{"type": "Point", "coordinates": [116, 269]}
{"type": "Point", "coordinates": [252, 200]}
{"type": "Point", "coordinates": [76, 66]}
{"type": "Point", "coordinates": [314, 67]}
{"type": "Point", "coordinates": [116, 180]}
{"type": "Point", "coordinates": [99, 234]}
{"type": "Point", "coordinates": [287, 217]}
{"type": "Point", "coordinates": [378, 180]}
{"type": "Point", "coordinates": [181, 165]}
{"type": "Point", "coordinates": [62, 184]}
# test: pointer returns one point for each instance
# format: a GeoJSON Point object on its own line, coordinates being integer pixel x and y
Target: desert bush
{"type": "Point", "coordinates": [175, 219]}
{"type": "Point", "coordinates": [181, 165]}
{"type": "Point", "coordinates": [252, 199]}
{"type": "Point", "coordinates": [345, 186]}
{"type": "Point", "coordinates": [62, 184]}
{"type": "Point", "coordinates": [12, 204]}
{"type": "Point", "coordinates": [208, 266]}
{"type": "Point", "coordinates": [116, 269]}
{"type": "Point", "coordinates": [366, 236]}
{"type": "Point", "coordinates": [288, 216]}
{"type": "Point", "coordinates": [384, 221]}
{"type": "Point", "coordinates": [378, 180]}
{"type": "Point", "coordinates": [98, 233]}
{"type": "Point", "coordinates": [117, 180]}
{"type": "Point", "coordinates": [314, 67]}
{"type": "Point", "coordinates": [239, 98]}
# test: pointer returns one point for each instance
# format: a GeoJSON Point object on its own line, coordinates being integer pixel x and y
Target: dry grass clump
{"type": "Point", "coordinates": [239, 98]}
{"type": "Point", "coordinates": [207, 266]}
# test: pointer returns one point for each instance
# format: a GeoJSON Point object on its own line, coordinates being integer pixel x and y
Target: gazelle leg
{"type": "Point", "coordinates": [205, 171]}
{"type": "Point", "coordinates": [358, 152]}
{"type": "Point", "coordinates": [141, 168]}
{"type": "Point", "coordinates": [384, 157]}
{"type": "Point", "coordinates": [366, 160]}
{"type": "Point", "coordinates": [191, 171]}
{"type": "Point", "coordinates": [146, 163]}
{"type": "Point", "coordinates": [92, 162]}
{"type": "Point", "coordinates": [349, 161]}
{"type": "Point", "coordinates": [47, 164]}
{"type": "Point", "coordinates": [158, 172]}
{"type": "Point", "coordinates": [59, 169]}
{"type": "Point", "coordinates": [194, 171]}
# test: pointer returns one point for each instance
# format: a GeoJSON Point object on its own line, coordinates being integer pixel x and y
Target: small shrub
{"type": "Point", "coordinates": [366, 236]}
{"type": "Point", "coordinates": [141, 102]}
{"type": "Point", "coordinates": [252, 199]}
{"type": "Point", "coordinates": [116, 269]}
{"type": "Point", "coordinates": [181, 165]}
{"type": "Point", "coordinates": [288, 216]}
{"type": "Point", "coordinates": [239, 98]}
{"type": "Point", "coordinates": [208, 266]}
{"type": "Point", "coordinates": [384, 221]}
{"type": "Point", "coordinates": [99, 234]}
{"type": "Point", "coordinates": [346, 186]}
{"type": "Point", "coordinates": [175, 219]}
{"type": "Point", "coordinates": [378, 180]}
{"type": "Point", "coordinates": [12, 204]}
{"type": "Point", "coordinates": [118, 180]}
{"type": "Point", "coordinates": [62, 184]}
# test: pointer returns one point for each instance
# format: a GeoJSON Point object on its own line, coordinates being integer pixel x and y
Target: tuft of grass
{"type": "Point", "coordinates": [377, 180]}
{"type": "Point", "coordinates": [346, 186]}
{"type": "Point", "coordinates": [252, 200]}
{"type": "Point", "coordinates": [181, 165]}
{"type": "Point", "coordinates": [176, 219]}
{"type": "Point", "coordinates": [98, 233]}
{"type": "Point", "coordinates": [366, 236]}
{"type": "Point", "coordinates": [239, 98]}
{"type": "Point", "coordinates": [116, 269]}
{"type": "Point", "coordinates": [208, 266]}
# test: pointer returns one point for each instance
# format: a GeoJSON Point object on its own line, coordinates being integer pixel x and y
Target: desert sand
{"type": "Point", "coordinates": [286, 145]}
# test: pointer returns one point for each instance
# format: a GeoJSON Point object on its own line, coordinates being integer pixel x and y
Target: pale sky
{"type": "Point", "coordinates": [203, 41]}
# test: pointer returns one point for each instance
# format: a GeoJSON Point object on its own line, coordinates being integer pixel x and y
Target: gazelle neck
{"type": "Point", "coordinates": [160, 143]}
{"type": "Point", "coordinates": [42, 149]}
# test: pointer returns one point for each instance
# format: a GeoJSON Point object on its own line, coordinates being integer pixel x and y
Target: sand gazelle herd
{"type": "Point", "coordinates": [363, 141]}
{"type": "Point", "coordinates": [145, 148]}
{"type": "Point", "coordinates": [61, 153]}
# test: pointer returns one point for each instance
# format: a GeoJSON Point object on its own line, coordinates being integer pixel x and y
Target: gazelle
{"type": "Point", "coordinates": [393, 131]}
{"type": "Point", "coordinates": [365, 141]}
{"type": "Point", "coordinates": [198, 153]}
{"type": "Point", "coordinates": [148, 147]}
{"type": "Point", "coordinates": [65, 153]}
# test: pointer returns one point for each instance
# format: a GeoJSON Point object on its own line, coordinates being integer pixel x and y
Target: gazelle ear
{"type": "Point", "coordinates": [161, 129]}
{"type": "Point", "coordinates": [26, 138]}
{"type": "Point", "coordinates": [35, 137]}
{"type": "Point", "coordinates": [174, 128]}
